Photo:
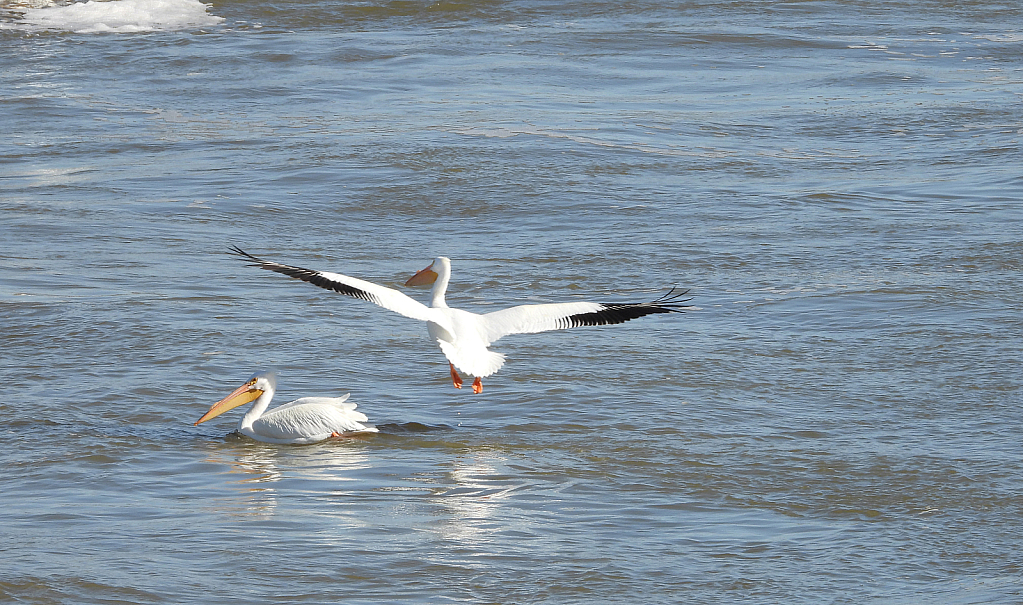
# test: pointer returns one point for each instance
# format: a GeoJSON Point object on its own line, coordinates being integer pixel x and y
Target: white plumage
{"type": "Point", "coordinates": [463, 337]}
{"type": "Point", "coordinates": [305, 420]}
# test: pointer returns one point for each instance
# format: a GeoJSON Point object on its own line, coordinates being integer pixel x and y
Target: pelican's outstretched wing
{"type": "Point", "coordinates": [528, 319]}
{"type": "Point", "coordinates": [383, 296]}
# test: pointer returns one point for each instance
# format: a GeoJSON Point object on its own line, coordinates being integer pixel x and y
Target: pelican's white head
{"type": "Point", "coordinates": [425, 277]}
{"type": "Point", "coordinates": [260, 382]}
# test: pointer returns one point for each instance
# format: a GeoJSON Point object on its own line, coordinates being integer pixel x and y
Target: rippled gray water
{"type": "Point", "coordinates": [838, 183]}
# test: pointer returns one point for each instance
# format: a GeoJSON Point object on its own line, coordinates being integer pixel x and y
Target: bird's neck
{"type": "Point", "coordinates": [257, 409]}
{"type": "Point", "coordinates": [440, 287]}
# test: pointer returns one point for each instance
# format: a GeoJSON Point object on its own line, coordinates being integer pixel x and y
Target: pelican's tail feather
{"type": "Point", "coordinates": [476, 362]}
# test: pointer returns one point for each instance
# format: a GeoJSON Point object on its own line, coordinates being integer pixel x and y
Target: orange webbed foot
{"type": "Point", "coordinates": [455, 378]}
{"type": "Point", "coordinates": [477, 385]}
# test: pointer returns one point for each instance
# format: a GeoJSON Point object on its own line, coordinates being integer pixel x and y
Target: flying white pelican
{"type": "Point", "coordinates": [463, 336]}
{"type": "Point", "coordinates": [305, 420]}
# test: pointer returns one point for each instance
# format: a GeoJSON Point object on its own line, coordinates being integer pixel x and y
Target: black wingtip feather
{"type": "Point", "coordinates": [256, 262]}
{"type": "Point", "coordinates": [673, 300]}
{"type": "Point", "coordinates": [307, 275]}
{"type": "Point", "coordinates": [616, 313]}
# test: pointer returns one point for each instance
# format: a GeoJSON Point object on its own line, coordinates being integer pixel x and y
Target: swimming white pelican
{"type": "Point", "coordinates": [463, 336]}
{"type": "Point", "coordinates": [305, 420]}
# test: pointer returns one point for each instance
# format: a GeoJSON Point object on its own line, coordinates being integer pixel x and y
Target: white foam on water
{"type": "Point", "coordinates": [123, 16]}
{"type": "Point", "coordinates": [1006, 37]}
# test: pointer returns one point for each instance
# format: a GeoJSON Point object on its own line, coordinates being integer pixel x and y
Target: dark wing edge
{"type": "Point", "coordinates": [315, 278]}
{"type": "Point", "coordinates": [616, 313]}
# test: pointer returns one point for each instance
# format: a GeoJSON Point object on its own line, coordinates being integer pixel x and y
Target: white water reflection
{"type": "Point", "coordinates": [473, 500]}
{"type": "Point", "coordinates": [258, 474]}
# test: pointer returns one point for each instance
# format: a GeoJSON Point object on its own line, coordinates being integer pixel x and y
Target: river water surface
{"type": "Point", "coordinates": [837, 183]}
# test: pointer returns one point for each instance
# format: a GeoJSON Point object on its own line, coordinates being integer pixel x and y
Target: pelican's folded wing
{"type": "Point", "coordinates": [340, 402]}
{"type": "Point", "coordinates": [309, 421]}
